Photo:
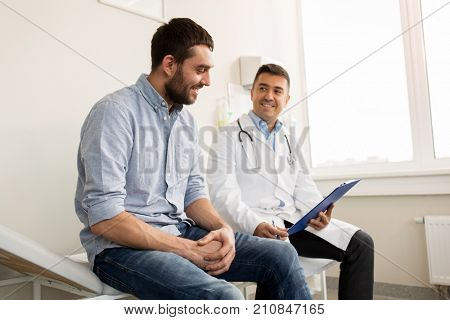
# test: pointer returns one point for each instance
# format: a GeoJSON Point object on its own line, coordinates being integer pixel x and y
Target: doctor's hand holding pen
{"type": "Point", "coordinates": [322, 220]}
{"type": "Point", "coordinates": [266, 230]}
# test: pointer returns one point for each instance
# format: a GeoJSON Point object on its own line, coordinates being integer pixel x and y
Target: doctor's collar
{"type": "Point", "coordinates": [261, 124]}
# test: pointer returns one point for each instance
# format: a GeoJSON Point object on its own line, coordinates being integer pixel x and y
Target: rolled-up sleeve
{"type": "Point", "coordinates": [196, 186]}
{"type": "Point", "coordinates": [105, 148]}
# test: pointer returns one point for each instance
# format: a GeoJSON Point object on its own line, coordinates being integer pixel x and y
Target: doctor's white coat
{"type": "Point", "coordinates": [249, 183]}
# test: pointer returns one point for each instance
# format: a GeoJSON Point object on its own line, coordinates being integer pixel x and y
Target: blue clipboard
{"type": "Point", "coordinates": [333, 197]}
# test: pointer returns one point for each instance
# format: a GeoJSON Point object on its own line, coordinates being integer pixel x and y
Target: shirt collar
{"type": "Point", "coordinates": [152, 96]}
{"type": "Point", "coordinates": [261, 125]}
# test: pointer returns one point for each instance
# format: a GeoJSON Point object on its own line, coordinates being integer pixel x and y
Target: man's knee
{"type": "Point", "coordinates": [227, 292]}
{"type": "Point", "coordinates": [283, 255]}
{"type": "Point", "coordinates": [364, 239]}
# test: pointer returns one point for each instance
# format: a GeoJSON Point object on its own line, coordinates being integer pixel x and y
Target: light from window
{"type": "Point", "coordinates": [437, 46]}
{"type": "Point", "coordinates": [363, 115]}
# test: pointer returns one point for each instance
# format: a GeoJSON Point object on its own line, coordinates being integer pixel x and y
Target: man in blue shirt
{"type": "Point", "coordinates": [150, 229]}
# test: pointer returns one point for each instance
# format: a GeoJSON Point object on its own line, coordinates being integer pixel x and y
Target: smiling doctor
{"type": "Point", "coordinates": [259, 184]}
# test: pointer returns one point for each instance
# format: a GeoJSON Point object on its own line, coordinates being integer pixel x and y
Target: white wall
{"type": "Point", "coordinates": [400, 247]}
{"type": "Point", "coordinates": [47, 90]}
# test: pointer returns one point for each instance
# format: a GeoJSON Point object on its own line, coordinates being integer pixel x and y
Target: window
{"type": "Point", "coordinates": [363, 115]}
{"type": "Point", "coordinates": [377, 82]}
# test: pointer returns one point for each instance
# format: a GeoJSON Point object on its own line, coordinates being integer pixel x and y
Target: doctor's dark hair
{"type": "Point", "coordinates": [275, 70]}
{"type": "Point", "coordinates": [176, 38]}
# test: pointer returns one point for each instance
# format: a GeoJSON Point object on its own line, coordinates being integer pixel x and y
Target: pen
{"type": "Point", "coordinates": [273, 224]}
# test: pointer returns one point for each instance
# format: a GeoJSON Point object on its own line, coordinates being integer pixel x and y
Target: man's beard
{"type": "Point", "coordinates": [177, 90]}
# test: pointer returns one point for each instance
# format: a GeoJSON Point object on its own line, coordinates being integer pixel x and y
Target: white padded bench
{"type": "Point", "coordinates": [47, 268]}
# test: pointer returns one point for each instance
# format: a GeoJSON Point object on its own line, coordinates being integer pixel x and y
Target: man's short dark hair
{"type": "Point", "coordinates": [176, 38]}
{"type": "Point", "coordinates": [275, 70]}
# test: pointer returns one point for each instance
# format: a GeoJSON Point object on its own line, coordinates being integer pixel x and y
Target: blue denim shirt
{"type": "Point", "coordinates": [134, 156]}
{"type": "Point", "coordinates": [261, 125]}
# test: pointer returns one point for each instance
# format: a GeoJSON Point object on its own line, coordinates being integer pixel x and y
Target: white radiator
{"type": "Point", "coordinates": [437, 232]}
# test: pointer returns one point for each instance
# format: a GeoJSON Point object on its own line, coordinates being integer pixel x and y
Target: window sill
{"type": "Point", "coordinates": [389, 184]}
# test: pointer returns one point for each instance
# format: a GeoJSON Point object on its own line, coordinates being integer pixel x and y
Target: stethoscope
{"type": "Point", "coordinates": [291, 158]}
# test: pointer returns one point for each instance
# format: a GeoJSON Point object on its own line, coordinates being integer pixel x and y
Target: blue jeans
{"type": "Point", "coordinates": [149, 274]}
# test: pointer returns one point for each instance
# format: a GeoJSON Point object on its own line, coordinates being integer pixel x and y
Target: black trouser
{"type": "Point", "coordinates": [357, 262]}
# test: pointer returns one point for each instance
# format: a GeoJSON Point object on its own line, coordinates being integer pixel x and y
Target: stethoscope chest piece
{"type": "Point", "coordinates": [291, 160]}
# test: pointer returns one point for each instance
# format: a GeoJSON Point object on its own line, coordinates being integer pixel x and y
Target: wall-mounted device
{"type": "Point", "coordinates": [249, 65]}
